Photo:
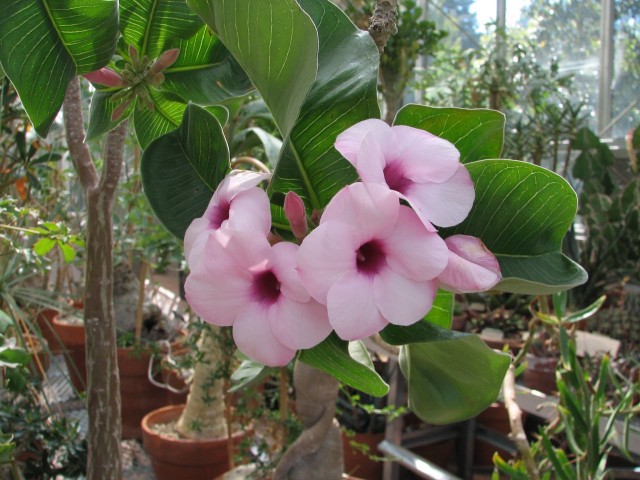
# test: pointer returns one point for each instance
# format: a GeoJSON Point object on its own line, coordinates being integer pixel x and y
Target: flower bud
{"type": "Point", "coordinates": [295, 212]}
{"type": "Point", "coordinates": [104, 76]}
{"type": "Point", "coordinates": [164, 61]}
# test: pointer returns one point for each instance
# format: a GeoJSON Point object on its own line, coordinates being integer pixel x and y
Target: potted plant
{"type": "Point", "coordinates": [198, 439]}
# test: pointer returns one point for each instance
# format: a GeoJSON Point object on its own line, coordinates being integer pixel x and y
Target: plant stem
{"type": "Point", "coordinates": [317, 453]}
{"type": "Point", "coordinates": [518, 435]}
{"type": "Point", "coordinates": [103, 383]}
{"type": "Point", "coordinates": [383, 22]}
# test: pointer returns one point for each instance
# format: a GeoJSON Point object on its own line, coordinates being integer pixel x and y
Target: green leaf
{"type": "Point", "coordinates": [68, 253]}
{"type": "Point", "coordinates": [249, 373]}
{"type": "Point", "coordinates": [205, 72]}
{"type": "Point", "coordinates": [45, 43]}
{"type": "Point", "coordinates": [5, 322]}
{"type": "Point", "coordinates": [585, 139]}
{"type": "Point", "coordinates": [253, 137]}
{"type": "Point", "coordinates": [349, 362]}
{"type": "Point", "coordinates": [477, 133]}
{"type": "Point", "coordinates": [180, 170]}
{"type": "Point", "coordinates": [344, 93]}
{"type": "Point", "coordinates": [15, 356]}
{"type": "Point", "coordinates": [451, 376]}
{"type": "Point", "coordinates": [100, 113]}
{"type": "Point", "coordinates": [522, 212]}
{"type": "Point", "coordinates": [587, 312]}
{"type": "Point", "coordinates": [43, 246]}
{"type": "Point", "coordinates": [281, 62]}
{"type": "Point", "coordinates": [153, 25]}
{"type": "Point", "coordinates": [164, 118]}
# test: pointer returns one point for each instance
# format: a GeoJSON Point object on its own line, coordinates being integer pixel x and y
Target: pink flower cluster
{"type": "Point", "coordinates": [371, 261]}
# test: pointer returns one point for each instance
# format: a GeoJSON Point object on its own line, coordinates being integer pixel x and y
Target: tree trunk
{"type": "Point", "coordinates": [204, 413]}
{"type": "Point", "coordinates": [317, 453]}
{"type": "Point", "coordinates": [103, 382]}
{"type": "Point", "coordinates": [103, 385]}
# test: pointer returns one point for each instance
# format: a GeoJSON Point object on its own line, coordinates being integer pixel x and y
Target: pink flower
{"type": "Point", "coordinates": [236, 205]}
{"type": "Point", "coordinates": [371, 261]}
{"type": "Point", "coordinates": [421, 168]}
{"type": "Point", "coordinates": [238, 279]}
{"type": "Point", "coordinates": [471, 267]}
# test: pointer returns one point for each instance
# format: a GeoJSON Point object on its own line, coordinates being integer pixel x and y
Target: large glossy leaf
{"type": "Point", "coordinates": [521, 213]}
{"type": "Point", "coordinates": [164, 118]}
{"type": "Point", "coordinates": [153, 26]}
{"type": "Point", "coordinates": [477, 133]}
{"type": "Point", "coordinates": [181, 169]}
{"type": "Point", "coordinates": [343, 94]}
{"type": "Point", "coordinates": [45, 43]}
{"type": "Point", "coordinates": [451, 375]}
{"type": "Point", "coordinates": [349, 362]}
{"type": "Point", "coordinates": [205, 72]}
{"type": "Point", "coordinates": [275, 42]}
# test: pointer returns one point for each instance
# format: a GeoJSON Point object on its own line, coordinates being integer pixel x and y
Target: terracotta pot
{"type": "Point", "coordinates": [495, 418]}
{"type": "Point", "coordinates": [358, 463]}
{"type": "Point", "coordinates": [73, 338]}
{"type": "Point", "coordinates": [540, 374]}
{"type": "Point", "coordinates": [175, 458]}
{"type": "Point", "coordinates": [138, 395]}
{"type": "Point", "coordinates": [44, 319]}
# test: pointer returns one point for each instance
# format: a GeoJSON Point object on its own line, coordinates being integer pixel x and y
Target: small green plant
{"type": "Point", "coordinates": [591, 401]}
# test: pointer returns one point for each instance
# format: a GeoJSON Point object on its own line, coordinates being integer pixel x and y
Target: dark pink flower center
{"type": "Point", "coordinates": [370, 257]}
{"type": "Point", "coordinates": [219, 214]}
{"type": "Point", "coordinates": [395, 177]}
{"type": "Point", "coordinates": [266, 287]}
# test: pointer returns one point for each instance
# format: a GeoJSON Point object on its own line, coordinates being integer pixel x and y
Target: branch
{"type": "Point", "coordinates": [518, 435]}
{"type": "Point", "coordinates": [383, 22]}
{"type": "Point", "coordinates": [74, 131]}
{"type": "Point", "coordinates": [113, 161]}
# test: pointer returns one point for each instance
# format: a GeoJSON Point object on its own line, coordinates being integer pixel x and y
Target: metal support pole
{"type": "Point", "coordinates": [605, 77]}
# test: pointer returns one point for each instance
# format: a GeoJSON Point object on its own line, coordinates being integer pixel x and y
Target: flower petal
{"type": "Point", "coordinates": [370, 209]}
{"type": "Point", "coordinates": [349, 142]}
{"type": "Point", "coordinates": [240, 180]}
{"type": "Point", "coordinates": [471, 268]}
{"type": "Point", "coordinates": [403, 301]}
{"type": "Point", "coordinates": [326, 254]}
{"type": "Point", "coordinates": [444, 204]}
{"type": "Point", "coordinates": [299, 325]}
{"type": "Point", "coordinates": [250, 211]}
{"type": "Point", "coordinates": [253, 336]}
{"type": "Point", "coordinates": [352, 309]}
{"type": "Point", "coordinates": [426, 158]}
{"type": "Point", "coordinates": [413, 251]}
{"type": "Point", "coordinates": [282, 260]}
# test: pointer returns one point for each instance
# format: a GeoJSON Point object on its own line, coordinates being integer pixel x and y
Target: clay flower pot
{"type": "Point", "coordinates": [358, 463]}
{"type": "Point", "coordinates": [138, 395]}
{"type": "Point", "coordinates": [540, 373]}
{"type": "Point", "coordinates": [44, 319]}
{"type": "Point", "coordinates": [174, 458]}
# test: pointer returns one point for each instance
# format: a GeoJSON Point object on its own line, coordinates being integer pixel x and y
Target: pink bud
{"type": "Point", "coordinates": [164, 61]}
{"type": "Point", "coordinates": [296, 214]}
{"type": "Point", "coordinates": [104, 76]}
